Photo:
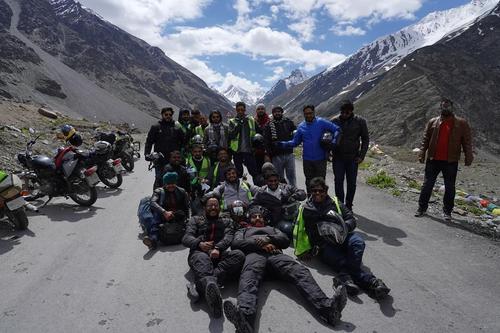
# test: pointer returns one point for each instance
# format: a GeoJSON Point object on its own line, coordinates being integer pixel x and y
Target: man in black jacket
{"type": "Point", "coordinates": [208, 237]}
{"type": "Point", "coordinates": [274, 197]}
{"type": "Point", "coordinates": [349, 153]}
{"type": "Point", "coordinates": [263, 248]}
{"type": "Point", "coordinates": [175, 165]}
{"type": "Point", "coordinates": [170, 207]}
{"type": "Point", "coordinates": [280, 129]}
{"type": "Point", "coordinates": [325, 227]}
{"type": "Point", "coordinates": [165, 137]}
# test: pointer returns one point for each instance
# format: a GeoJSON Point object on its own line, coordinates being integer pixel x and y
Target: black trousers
{"type": "Point", "coordinates": [284, 268]}
{"type": "Point", "coordinates": [432, 170]}
{"type": "Point", "coordinates": [314, 169]}
{"type": "Point", "coordinates": [206, 269]}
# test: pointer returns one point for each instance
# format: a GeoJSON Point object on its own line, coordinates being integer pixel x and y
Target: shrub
{"type": "Point", "coordinates": [381, 180]}
{"type": "Point", "coordinates": [414, 184]}
{"type": "Point", "coordinates": [365, 165]}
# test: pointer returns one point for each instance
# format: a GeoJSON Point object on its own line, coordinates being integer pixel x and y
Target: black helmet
{"type": "Point", "coordinates": [286, 227]}
{"type": "Point", "coordinates": [238, 209]}
{"type": "Point", "coordinates": [333, 229]}
{"type": "Point", "coordinates": [326, 141]}
{"type": "Point", "coordinates": [197, 140]}
{"type": "Point", "coordinates": [258, 141]}
{"type": "Point", "coordinates": [102, 147]}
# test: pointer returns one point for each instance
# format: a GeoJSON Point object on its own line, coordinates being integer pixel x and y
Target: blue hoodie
{"type": "Point", "coordinates": [310, 135]}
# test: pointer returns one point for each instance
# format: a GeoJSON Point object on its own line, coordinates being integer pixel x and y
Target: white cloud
{"type": "Point", "coordinates": [348, 30]}
{"type": "Point", "coordinates": [277, 74]}
{"type": "Point", "coordinates": [242, 7]}
{"type": "Point", "coordinates": [305, 28]}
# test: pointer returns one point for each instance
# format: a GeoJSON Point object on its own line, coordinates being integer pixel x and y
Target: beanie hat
{"type": "Point", "coordinates": [170, 178]}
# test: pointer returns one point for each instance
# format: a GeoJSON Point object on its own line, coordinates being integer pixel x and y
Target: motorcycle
{"type": "Point", "coordinates": [109, 170]}
{"type": "Point", "coordinates": [66, 175]}
{"type": "Point", "coordinates": [12, 203]}
{"type": "Point", "coordinates": [124, 147]}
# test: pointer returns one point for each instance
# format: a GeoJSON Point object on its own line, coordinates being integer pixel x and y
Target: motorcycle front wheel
{"type": "Point", "coordinates": [83, 194]}
{"type": "Point", "coordinates": [18, 218]}
{"type": "Point", "coordinates": [127, 162]}
{"type": "Point", "coordinates": [111, 182]}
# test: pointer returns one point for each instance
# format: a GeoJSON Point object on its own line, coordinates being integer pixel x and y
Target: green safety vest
{"type": "Point", "coordinates": [198, 130]}
{"type": "Point", "coordinates": [214, 175]}
{"type": "Point", "coordinates": [203, 172]}
{"type": "Point", "coordinates": [245, 187]}
{"type": "Point", "coordinates": [301, 241]}
{"type": "Point", "coordinates": [235, 143]}
{"type": "Point", "coordinates": [182, 127]}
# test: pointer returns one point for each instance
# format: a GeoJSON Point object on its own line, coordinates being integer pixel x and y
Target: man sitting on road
{"type": "Point", "coordinates": [232, 189]}
{"type": "Point", "coordinates": [263, 248]}
{"type": "Point", "coordinates": [218, 170]}
{"type": "Point", "coordinates": [325, 228]}
{"type": "Point", "coordinates": [208, 237]}
{"type": "Point", "coordinates": [274, 196]}
{"type": "Point", "coordinates": [170, 207]}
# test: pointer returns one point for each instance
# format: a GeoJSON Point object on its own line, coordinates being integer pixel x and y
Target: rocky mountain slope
{"type": "Point", "coordinates": [382, 54]}
{"type": "Point", "coordinates": [464, 66]}
{"type": "Point", "coordinates": [283, 85]}
{"type": "Point", "coordinates": [59, 51]}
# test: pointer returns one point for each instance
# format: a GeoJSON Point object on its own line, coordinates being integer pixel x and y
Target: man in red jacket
{"type": "Point", "coordinates": [444, 138]}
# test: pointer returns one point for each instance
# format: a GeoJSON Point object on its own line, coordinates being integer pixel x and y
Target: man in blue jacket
{"type": "Point", "coordinates": [310, 132]}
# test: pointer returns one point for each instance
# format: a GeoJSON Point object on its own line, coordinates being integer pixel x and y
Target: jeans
{"type": "Point", "coordinates": [286, 163]}
{"type": "Point", "coordinates": [347, 169]}
{"type": "Point", "coordinates": [249, 160]}
{"type": "Point", "coordinates": [432, 170]}
{"type": "Point", "coordinates": [347, 258]}
{"type": "Point", "coordinates": [313, 169]}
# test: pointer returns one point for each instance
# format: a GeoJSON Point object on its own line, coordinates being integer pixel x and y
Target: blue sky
{"type": "Point", "coordinates": [252, 43]}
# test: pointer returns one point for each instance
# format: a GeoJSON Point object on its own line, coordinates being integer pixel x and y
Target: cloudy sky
{"type": "Point", "coordinates": [252, 43]}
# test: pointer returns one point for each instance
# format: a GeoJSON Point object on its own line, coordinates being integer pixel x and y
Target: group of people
{"type": "Point", "coordinates": [237, 228]}
{"type": "Point", "coordinates": [233, 227]}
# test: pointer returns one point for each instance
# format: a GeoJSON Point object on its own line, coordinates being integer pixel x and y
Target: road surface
{"type": "Point", "coordinates": [85, 270]}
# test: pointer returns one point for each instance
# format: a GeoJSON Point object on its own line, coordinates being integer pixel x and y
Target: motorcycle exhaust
{"type": "Point", "coordinates": [31, 207]}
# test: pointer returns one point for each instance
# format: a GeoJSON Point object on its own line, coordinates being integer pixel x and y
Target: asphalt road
{"type": "Point", "coordinates": [85, 270]}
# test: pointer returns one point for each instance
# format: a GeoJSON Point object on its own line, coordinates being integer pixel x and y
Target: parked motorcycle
{"type": "Point", "coordinates": [109, 170]}
{"type": "Point", "coordinates": [124, 147]}
{"type": "Point", "coordinates": [66, 175]}
{"type": "Point", "coordinates": [12, 203]}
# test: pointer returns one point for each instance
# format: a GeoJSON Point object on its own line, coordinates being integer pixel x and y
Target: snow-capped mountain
{"type": "Point", "coordinates": [385, 52]}
{"type": "Point", "coordinates": [280, 87]}
{"type": "Point", "coordinates": [237, 94]}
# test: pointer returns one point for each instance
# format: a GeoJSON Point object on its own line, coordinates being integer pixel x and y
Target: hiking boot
{"type": "Point", "coordinates": [192, 292]}
{"type": "Point", "coordinates": [339, 301]}
{"type": "Point", "coordinates": [419, 213]}
{"type": "Point", "coordinates": [447, 217]}
{"type": "Point", "coordinates": [150, 243]}
{"type": "Point", "coordinates": [238, 319]}
{"type": "Point", "coordinates": [351, 287]}
{"type": "Point", "coordinates": [214, 299]}
{"type": "Point", "coordinates": [378, 289]}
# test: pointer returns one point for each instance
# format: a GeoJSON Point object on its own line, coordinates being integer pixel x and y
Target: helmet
{"type": "Point", "coordinates": [258, 141]}
{"type": "Point", "coordinates": [68, 131]}
{"type": "Point", "coordinates": [197, 140]}
{"type": "Point", "coordinates": [238, 210]}
{"type": "Point", "coordinates": [286, 227]}
{"type": "Point", "coordinates": [212, 148]}
{"type": "Point", "coordinates": [102, 147]}
{"type": "Point", "coordinates": [326, 141]}
{"type": "Point", "coordinates": [333, 229]}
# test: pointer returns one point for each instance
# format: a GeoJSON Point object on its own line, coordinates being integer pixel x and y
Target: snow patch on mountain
{"type": "Point", "coordinates": [237, 94]}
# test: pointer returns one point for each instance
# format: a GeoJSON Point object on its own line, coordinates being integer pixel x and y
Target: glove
{"type": "Point", "coordinates": [148, 157]}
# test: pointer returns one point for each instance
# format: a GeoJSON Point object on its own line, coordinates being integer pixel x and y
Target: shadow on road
{"type": "Point", "coordinates": [10, 238]}
{"type": "Point", "coordinates": [291, 293]}
{"type": "Point", "coordinates": [105, 192]}
{"type": "Point", "coordinates": [389, 235]}
{"type": "Point", "coordinates": [68, 212]}
{"type": "Point", "coordinates": [162, 248]}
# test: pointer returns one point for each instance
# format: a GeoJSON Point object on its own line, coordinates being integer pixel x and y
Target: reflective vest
{"type": "Point", "coordinates": [235, 143]}
{"type": "Point", "coordinates": [215, 175]}
{"type": "Point", "coordinates": [243, 186]}
{"type": "Point", "coordinates": [203, 172]}
{"type": "Point", "coordinates": [198, 130]}
{"type": "Point", "coordinates": [182, 127]}
{"type": "Point", "coordinates": [301, 241]}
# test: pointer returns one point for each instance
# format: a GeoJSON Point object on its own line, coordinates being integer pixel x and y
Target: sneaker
{"type": "Point", "coordinates": [351, 287]}
{"type": "Point", "coordinates": [378, 289]}
{"type": "Point", "coordinates": [447, 217]}
{"type": "Point", "coordinates": [237, 318]}
{"type": "Point", "coordinates": [149, 242]}
{"type": "Point", "coordinates": [214, 299]}
{"type": "Point", "coordinates": [419, 213]}
{"type": "Point", "coordinates": [192, 292]}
